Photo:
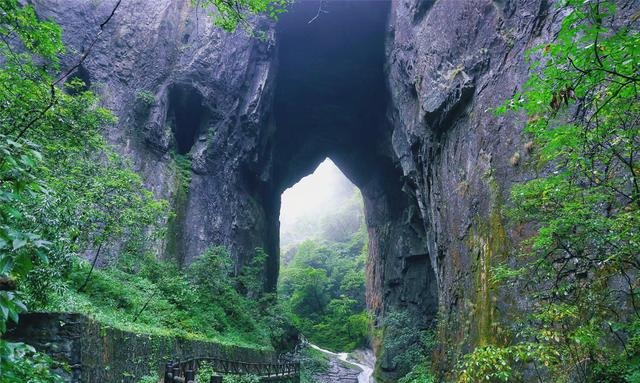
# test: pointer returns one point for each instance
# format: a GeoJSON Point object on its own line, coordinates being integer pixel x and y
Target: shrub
{"type": "Point", "coordinates": [146, 98]}
{"type": "Point", "coordinates": [409, 344]}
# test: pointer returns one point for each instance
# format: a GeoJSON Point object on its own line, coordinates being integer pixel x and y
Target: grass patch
{"type": "Point", "coordinates": [155, 297]}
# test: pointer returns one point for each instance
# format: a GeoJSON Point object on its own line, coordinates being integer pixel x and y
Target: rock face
{"type": "Point", "coordinates": [450, 63]}
{"type": "Point", "coordinates": [338, 372]}
{"type": "Point", "coordinates": [180, 86]}
{"type": "Point", "coordinates": [398, 94]}
{"type": "Point", "coordinates": [220, 124]}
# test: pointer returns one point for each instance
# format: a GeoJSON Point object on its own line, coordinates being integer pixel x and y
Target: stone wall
{"type": "Point", "coordinates": [99, 353]}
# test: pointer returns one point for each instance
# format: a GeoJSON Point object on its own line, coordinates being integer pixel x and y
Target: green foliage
{"type": "Point", "coordinates": [278, 322]}
{"type": "Point", "coordinates": [21, 363]}
{"type": "Point", "coordinates": [421, 373]}
{"type": "Point", "coordinates": [580, 268]}
{"type": "Point", "coordinates": [312, 362]}
{"type": "Point", "coordinates": [241, 379]}
{"type": "Point", "coordinates": [65, 189]}
{"type": "Point", "coordinates": [205, 372]}
{"type": "Point", "coordinates": [228, 15]}
{"type": "Point", "coordinates": [306, 289]}
{"type": "Point", "coordinates": [342, 327]}
{"type": "Point", "coordinates": [504, 364]}
{"type": "Point", "coordinates": [410, 345]}
{"type": "Point", "coordinates": [323, 287]}
{"type": "Point", "coordinates": [183, 169]}
{"type": "Point", "coordinates": [146, 98]}
{"type": "Point", "coordinates": [250, 279]}
{"type": "Point", "coordinates": [62, 189]}
{"type": "Point", "coordinates": [150, 379]}
{"type": "Point", "coordinates": [145, 295]}
{"type": "Point", "coordinates": [20, 246]}
{"type": "Point", "coordinates": [215, 262]}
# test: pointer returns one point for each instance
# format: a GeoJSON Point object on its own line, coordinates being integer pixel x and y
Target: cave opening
{"type": "Point", "coordinates": [323, 242]}
{"type": "Point", "coordinates": [186, 115]}
{"type": "Point", "coordinates": [81, 74]}
{"type": "Point", "coordinates": [311, 208]}
{"type": "Point", "coordinates": [331, 101]}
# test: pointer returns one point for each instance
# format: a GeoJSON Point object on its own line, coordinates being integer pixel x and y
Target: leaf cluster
{"type": "Point", "coordinates": [229, 14]}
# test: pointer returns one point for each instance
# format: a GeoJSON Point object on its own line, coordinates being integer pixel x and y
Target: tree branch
{"type": "Point", "coordinates": [93, 265]}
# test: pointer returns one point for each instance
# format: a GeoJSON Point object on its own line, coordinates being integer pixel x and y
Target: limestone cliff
{"type": "Point", "coordinates": [450, 64]}
{"type": "Point", "coordinates": [398, 94]}
{"type": "Point", "coordinates": [180, 86]}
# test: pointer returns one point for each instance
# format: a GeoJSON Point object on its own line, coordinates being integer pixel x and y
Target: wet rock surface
{"type": "Point", "coordinates": [179, 85]}
{"type": "Point", "coordinates": [356, 367]}
{"type": "Point", "coordinates": [451, 63]}
{"type": "Point", "coordinates": [339, 372]}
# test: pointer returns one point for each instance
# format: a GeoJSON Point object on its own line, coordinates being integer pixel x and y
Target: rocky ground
{"type": "Point", "coordinates": [339, 372]}
{"type": "Point", "coordinates": [356, 367]}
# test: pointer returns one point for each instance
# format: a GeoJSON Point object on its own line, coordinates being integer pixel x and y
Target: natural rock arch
{"type": "Point", "coordinates": [254, 116]}
{"type": "Point", "coordinates": [433, 163]}
{"type": "Point", "coordinates": [331, 99]}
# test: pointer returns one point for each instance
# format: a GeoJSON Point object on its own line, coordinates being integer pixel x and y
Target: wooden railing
{"type": "Point", "coordinates": [186, 371]}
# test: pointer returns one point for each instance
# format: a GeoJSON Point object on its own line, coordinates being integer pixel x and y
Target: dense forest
{"type": "Point", "coordinates": [322, 274]}
{"type": "Point", "coordinates": [80, 230]}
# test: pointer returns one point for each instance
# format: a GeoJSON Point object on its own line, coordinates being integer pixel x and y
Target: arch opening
{"type": "Point", "coordinates": [186, 115]}
{"type": "Point", "coordinates": [322, 262]}
{"type": "Point", "coordinates": [331, 100]}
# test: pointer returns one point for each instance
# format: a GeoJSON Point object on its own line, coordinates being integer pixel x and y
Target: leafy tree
{"type": "Point", "coordinates": [410, 345]}
{"type": "Point", "coordinates": [313, 254]}
{"type": "Point", "coordinates": [309, 295]}
{"type": "Point", "coordinates": [352, 286]}
{"type": "Point", "coordinates": [62, 189]}
{"type": "Point", "coordinates": [581, 266]}
{"type": "Point", "coordinates": [229, 14]}
{"type": "Point", "coordinates": [215, 261]}
{"type": "Point", "coordinates": [342, 327]}
{"type": "Point", "coordinates": [250, 279]}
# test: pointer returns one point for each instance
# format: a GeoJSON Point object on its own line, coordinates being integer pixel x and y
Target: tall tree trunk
{"type": "Point", "coordinates": [93, 265]}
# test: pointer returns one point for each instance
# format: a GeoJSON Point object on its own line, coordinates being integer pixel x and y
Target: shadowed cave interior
{"type": "Point", "coordinates": [331, 100]}
{"type": "Point", "coordinates": [186, 115]}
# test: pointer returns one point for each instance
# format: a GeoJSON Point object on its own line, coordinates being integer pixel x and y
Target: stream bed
{"type": "Point", "coordinates": [359, 371]}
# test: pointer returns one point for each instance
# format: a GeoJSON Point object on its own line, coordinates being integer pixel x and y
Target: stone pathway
{"type": "Point", "coordinates": [339, 372]}
{"type": "Point", "coordinates": [343, 369]}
